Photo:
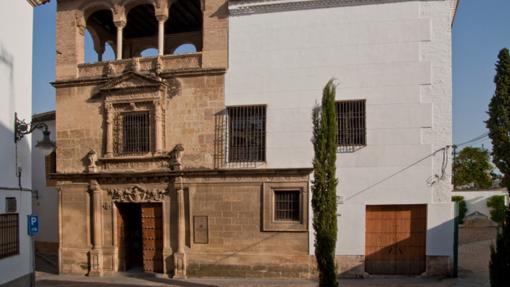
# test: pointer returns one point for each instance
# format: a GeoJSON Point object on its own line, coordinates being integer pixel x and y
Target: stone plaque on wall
{"type": "Point", "coordinates": [200, 229]}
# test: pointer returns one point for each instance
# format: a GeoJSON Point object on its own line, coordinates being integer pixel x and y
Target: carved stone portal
{"type": "Point", "coordinates": [136, 194]}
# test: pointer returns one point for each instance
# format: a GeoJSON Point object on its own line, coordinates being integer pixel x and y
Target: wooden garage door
{"type": "Point", "coordinates": [395, 239]}
{"type": "Point", "coordinates": [152, 234]}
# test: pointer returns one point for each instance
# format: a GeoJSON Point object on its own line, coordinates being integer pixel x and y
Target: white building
{"type": "Point", "coordinates": [45, 199]}
{"type": "Point", "coordinates": [394, 56]}
{"type": "Point", "coordinates": [15, 161]}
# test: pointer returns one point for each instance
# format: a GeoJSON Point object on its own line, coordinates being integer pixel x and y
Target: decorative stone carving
{"type": "Point", "coordinates": [176, 157]}
{"type": "Point", "coordinates": [158, 66]}
{"type": "Point", "coordinates": [80, 23]}
{"type": "Point", "coordinates": [119, 16]}
{"type": "Point", "coordinates": [109, 70]}
{"type": "Point", "coordinates": [174, 87]}
{"type": "Point", "coordinates": [92, 159]}
{"type": "Point", "coordinates": [135, 65]}
{"type": "Point", "coordinates": [137, 193]}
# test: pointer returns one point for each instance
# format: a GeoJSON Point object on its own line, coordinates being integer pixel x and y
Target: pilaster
{"type": "Point", "coordinates": [96, 253]}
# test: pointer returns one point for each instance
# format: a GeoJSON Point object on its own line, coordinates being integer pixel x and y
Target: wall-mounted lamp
{"type": "Point", "coordinates": [21, 128]}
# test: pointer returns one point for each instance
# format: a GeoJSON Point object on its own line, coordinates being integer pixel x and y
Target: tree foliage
{"type": "Point", "coordinates": [499, 265]}
{"type": "Point", "coordinates": [497, 207]}
{"type": "Point", "coordinates": [499, 133]}
{"type": "Point", "coordinates": [472, 167]}
{"type": "Point", "coordinates": [462, 207]}
{"type": "Point", "coordinates": [499, 117]}
{"type": "Point", "coordinates": [324, 186]}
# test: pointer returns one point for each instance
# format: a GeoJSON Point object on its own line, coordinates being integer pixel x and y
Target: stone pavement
{"type": "Point", "coordinates": [473, 272]}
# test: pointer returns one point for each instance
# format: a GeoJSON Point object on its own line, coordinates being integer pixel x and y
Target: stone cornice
{"type": "Point", "coordinates": [175, 73]}
{"type": "Point", "coordinates": [246, 7]}
{"type": "Point", "coordinates": [198, 173]}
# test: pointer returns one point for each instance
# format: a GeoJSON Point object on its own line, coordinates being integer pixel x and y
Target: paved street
{"type": "Point", "coordinates": [473, 272]}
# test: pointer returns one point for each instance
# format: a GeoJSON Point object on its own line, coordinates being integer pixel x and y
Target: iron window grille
{"type": "Point", "coordinates": [136, 132]}
{"type": "Point", "coordinates": [286, 205]}
{"type": "Point", "coordinates": [9, 235]}
{"type": "Point", "coordinates": [351, 121]}
{"type": "Point", "coordinates": [246, 134]}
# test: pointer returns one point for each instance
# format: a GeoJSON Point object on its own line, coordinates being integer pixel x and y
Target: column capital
{"type": "Point", "coordinates": [94, 186]}
{"type": "Point", "coordinates": [162, 17]}
{"type": "Point", "coordinates": [120, 24]}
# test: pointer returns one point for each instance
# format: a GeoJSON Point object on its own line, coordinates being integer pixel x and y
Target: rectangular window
{"type": "Point", "coordinates": [50, 163]}
{"type": "Point", "coordinates": [351, 123]}
{"type": "Point", "coordinates": [9, 235]}
{"type": "Point", "coordinates": [246, 134]}
{"type": "Point", "coordinates": [286, 205]}
{"type": "Point", "coordinates": [136, 131]}
{"type": "Point", "coordinates": [11, 204]}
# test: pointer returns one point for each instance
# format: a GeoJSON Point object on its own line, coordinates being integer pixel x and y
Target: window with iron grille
{"type": "Point", "coordinates": [9, 235]}
{"type": "Point", "coordinates": [351, 120]}
{"type": "Point", "coordinates": [136, 132]}
{"type": "Point", "coordinates": [246, 134]}
{"type": "Point", "coordinates": [286, 205]}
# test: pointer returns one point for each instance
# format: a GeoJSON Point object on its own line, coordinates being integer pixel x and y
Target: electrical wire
{"type": "Point", "coordinates": [475, 139]}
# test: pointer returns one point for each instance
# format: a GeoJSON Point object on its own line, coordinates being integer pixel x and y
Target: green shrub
{"type": "Point", "coordinates": [498, 209]}
{"type": "Point", "coordinates": [462, 207]}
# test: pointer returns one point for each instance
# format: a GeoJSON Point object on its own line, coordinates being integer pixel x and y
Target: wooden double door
{"type": "Point", "coordinates": [395, 240]}
{"type": "Point", "coordinates": [140, 237]}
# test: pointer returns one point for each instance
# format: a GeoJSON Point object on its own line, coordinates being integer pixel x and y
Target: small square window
{"type": "Point", "coordinates": [287, 205]}
{"type": "Point", "coordinates": [11, 205]}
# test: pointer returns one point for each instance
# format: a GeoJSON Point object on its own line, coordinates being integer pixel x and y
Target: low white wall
{"type": "Point", "coordinates": [477, 200]}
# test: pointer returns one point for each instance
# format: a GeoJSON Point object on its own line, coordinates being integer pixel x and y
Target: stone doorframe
{"type": "Point", "coordinates": [135, 193]}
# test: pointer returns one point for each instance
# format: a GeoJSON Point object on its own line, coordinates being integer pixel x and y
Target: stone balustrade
{"type": "Point", "coordinates": [167, 63]}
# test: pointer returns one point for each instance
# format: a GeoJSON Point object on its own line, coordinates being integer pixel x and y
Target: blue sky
{"type": "Point", "coordinates": [480, 31]}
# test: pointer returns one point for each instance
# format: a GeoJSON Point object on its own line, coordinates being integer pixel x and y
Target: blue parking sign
{"type": "Point", "coordinates": [33, 224]}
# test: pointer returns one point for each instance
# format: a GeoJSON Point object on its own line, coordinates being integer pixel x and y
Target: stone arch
{"type": "Point", "coordinates": [97, 17]}
{"type": "Point", "coordinates": [90, 7]}
{"type": "Point", "coordinates": [130, 4]}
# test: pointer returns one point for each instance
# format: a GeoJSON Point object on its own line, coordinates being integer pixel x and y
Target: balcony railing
{"type": "Point", "coordinates": [166, 63]}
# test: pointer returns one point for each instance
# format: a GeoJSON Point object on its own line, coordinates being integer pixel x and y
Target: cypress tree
{"type": "Point", "coordinates": [499, 133]}
{"type": "Point", "coordinates": [324, 186]}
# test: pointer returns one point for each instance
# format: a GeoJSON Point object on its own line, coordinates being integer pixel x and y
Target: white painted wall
{"type": "Point", "coordinates": [15, 96]}
{"type": "Point", "coordinates": [477, 200]}
{"type": "Point", "coordinates": [397, 56]}
{"type": "Point", "coordinates": [45, 204]}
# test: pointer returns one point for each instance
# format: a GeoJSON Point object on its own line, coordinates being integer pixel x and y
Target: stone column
{"type": "Point", "coordinates": [180, 259]}
{"type": "Point", "coordinates": [158, 119]}
{"type": "Point", "coordinates": [109, 129]}
{"type": "Point", "coordinates": [96, 254]}
{"type": "Point", "coordinates": [161, 34]}
{"type": "Point", "coordinates": [120, 30]}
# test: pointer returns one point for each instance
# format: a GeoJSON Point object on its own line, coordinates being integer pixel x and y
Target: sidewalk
{"type": "Point", "coordinates": [473, 272]}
